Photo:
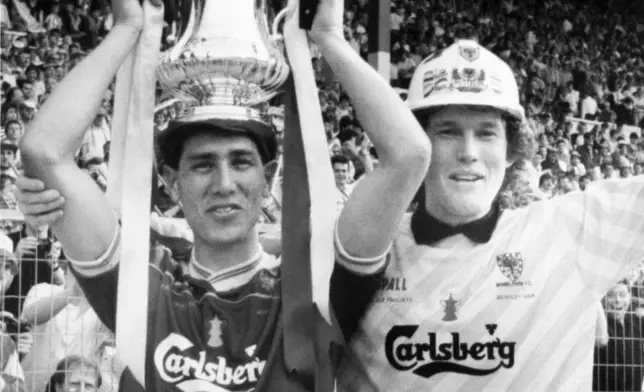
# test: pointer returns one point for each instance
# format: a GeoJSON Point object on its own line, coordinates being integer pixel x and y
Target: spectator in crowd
{"type": "Point", "coordinates": [11, 373]}
{"type": "Point", "coordinates": [619, 366]}
{"type": "Point", "coordinates": [63, 324]}
{"type": "Point", "coordinates": [343, 185]}
{"type": "Point", "coordinates": [75, 373]}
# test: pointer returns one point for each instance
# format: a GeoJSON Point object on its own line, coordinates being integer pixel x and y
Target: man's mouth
{"type": "Point", "coordinates": [465, 177]}
{"type": "Point", "coordinates": [224, 210]}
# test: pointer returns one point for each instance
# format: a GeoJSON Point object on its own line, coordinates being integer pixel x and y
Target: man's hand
{"type": "Point", "coordinates": [328, 20]}
{"type": "Point", "coordinates": [40, 206]}
{"type": "Point", "coordinates": [26, 247]}
{"type": "Point", "coordinates": [24, 343]}
{"type": "Point", "coordinates": [129, 13]}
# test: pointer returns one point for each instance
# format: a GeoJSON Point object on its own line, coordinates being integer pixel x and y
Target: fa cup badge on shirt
{"type": "Point", "coordinates": [215, 332]}
{"type": "Point", "coordinates": [511, 265]}
{"type": "Point", "coordinates": [450, 305]}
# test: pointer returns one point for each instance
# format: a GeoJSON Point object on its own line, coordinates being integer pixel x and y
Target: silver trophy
{"type": "Point", "coordinates": [227, 61]}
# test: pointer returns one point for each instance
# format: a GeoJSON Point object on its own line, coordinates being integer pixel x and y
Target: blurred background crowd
{"type": "Point", "coordinates": [580, 71]}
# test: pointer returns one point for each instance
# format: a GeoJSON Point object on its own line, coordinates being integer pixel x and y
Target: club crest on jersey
{"type": "Point", "coordinates": [511, 265]}
{"type": "Point", "coordinates": [450, 306]}
{"type": "Point", "coordinates": [430, 356]}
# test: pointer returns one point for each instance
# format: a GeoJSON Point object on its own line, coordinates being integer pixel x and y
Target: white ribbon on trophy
{"type": "Point", "coordinates": [129, 191]}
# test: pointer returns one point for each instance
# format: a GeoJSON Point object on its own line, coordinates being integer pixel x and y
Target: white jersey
{"type": "Point", "coordinates": [515, 314]}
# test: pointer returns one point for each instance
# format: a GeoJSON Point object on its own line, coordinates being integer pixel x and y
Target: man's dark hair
{"type": "Point", "coordinates": [347, 134]}
{"type": "Point", "coordinates": [341, 159]}
{"type": "Point", "coordinates": [22, 82]}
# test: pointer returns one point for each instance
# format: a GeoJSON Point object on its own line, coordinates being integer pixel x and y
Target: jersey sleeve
{"type": "Point", "coordinates": [353, 283]}
{"type": "Point", "coordinates": [99, 281]}
{"type": "Point", "coordinates": [606, 224]}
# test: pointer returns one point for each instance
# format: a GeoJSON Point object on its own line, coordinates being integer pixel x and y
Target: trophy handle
{"type": "Point", "coordinates": [277, 39]}
{"type": "Point", "coordinates": [278, 19]}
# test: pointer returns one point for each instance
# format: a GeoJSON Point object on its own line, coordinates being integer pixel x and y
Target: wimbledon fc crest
{"type": "Point", "coordinates": [511, 265]}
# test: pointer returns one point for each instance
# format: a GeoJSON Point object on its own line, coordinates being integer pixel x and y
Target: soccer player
{"type": "Point", "coordinates": [218, 327]}
{"type": "Point", "coordinates": [476, 299]}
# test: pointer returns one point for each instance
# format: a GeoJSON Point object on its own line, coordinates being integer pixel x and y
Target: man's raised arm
{"type": "Point", "coordinates": [372, 215]}
{"type": "Point", "coordinates": [88, 225]}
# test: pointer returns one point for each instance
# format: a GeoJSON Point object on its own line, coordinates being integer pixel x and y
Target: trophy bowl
{"type": "Point", "coordinates": [227, 60]}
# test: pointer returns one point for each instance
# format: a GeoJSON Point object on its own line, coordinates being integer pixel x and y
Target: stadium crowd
{"type": "Point", "coordinates": [580, 70]}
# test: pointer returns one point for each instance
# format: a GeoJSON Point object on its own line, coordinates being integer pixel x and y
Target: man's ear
{"type": "Point", "coordinates": [271, 170]}
{"type": "Point", "coordinates": [171, 177]}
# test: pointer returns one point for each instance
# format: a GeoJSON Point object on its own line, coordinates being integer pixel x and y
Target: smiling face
{"type": "Point", "coordinates": [618, 299]}
{"type": "Point", "coordinates": [469, 158]}
{"type": "Point", "coordinates": [220, 182]}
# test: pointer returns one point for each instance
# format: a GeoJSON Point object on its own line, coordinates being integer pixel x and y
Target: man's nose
{"type": "Point", "coordinates": [224, 182]}
{"type": "Point", "coordinates": [468, 148]}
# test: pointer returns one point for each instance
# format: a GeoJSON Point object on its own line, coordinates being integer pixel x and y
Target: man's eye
{"type": "Point", "coordinates": [448, 132]}
{"type": "Point", "coordinates": [487, 133]}
{"type": "Point", "coordinates": [242, 163]}
{"type": "Point", "coordinates": [202, 166]}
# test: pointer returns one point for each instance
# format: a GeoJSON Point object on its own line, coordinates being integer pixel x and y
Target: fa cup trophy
{"type": "Point", "coordinates": [227, 61]}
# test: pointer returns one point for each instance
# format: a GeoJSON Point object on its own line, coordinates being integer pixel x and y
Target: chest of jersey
{"type": "Point", "coordinates": [216, 343]}
{"type": "Point", "coordinates": [466, 320]}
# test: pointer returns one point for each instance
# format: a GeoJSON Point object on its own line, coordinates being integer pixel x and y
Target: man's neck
{"type": "Point", "coordinates": [442, 214]}
{"type": "Point", "coordinates": [217, 257]}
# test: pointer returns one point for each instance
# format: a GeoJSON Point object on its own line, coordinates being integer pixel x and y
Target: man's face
{"type": "Point", "coordinates": [59, 72]}
{"type": "Point", "coordinates": [574, 160]}
{"type": "Point", "coordinates": [547, 184]}
{"type": "Point", "coordinates": [6, 275]}
{"type": "Point", "coordinates": [341, 173]}
{"type": "Point", "coordinates": [618, 299]}
{"type": "Point", "coordinates": [583, 183]}
{"type": "Point", "coordinates": [32, 75]}
{"type": "Point", "coordinates": [79, 378]}
{"type": "Point", "coordinates": [608, 171]}
{"type": "Point", "coordinates": [50, 83]}
{"type": "Point", "coordinates": [28, 90]}
{"type": "Point", "coordinates": [469, 158]}
{"type": "Point", "coordinates": [14, 131]}
{"type": "Point", "coordinates": [7, 158]}
{"type": "Point", "coordinates": [12, 114]}
{"type": "Point", "coordinates": [566, 185]}
{"type": "Point", "coordinates": [221, 184]}
{"type": "Point", "coordinates": [27, 113]}
{"type": "Point", "coordinates": [24, 58]}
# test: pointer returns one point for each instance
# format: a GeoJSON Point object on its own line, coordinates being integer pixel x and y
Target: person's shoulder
{"type": "Point", "coordinates": [43, 290]}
